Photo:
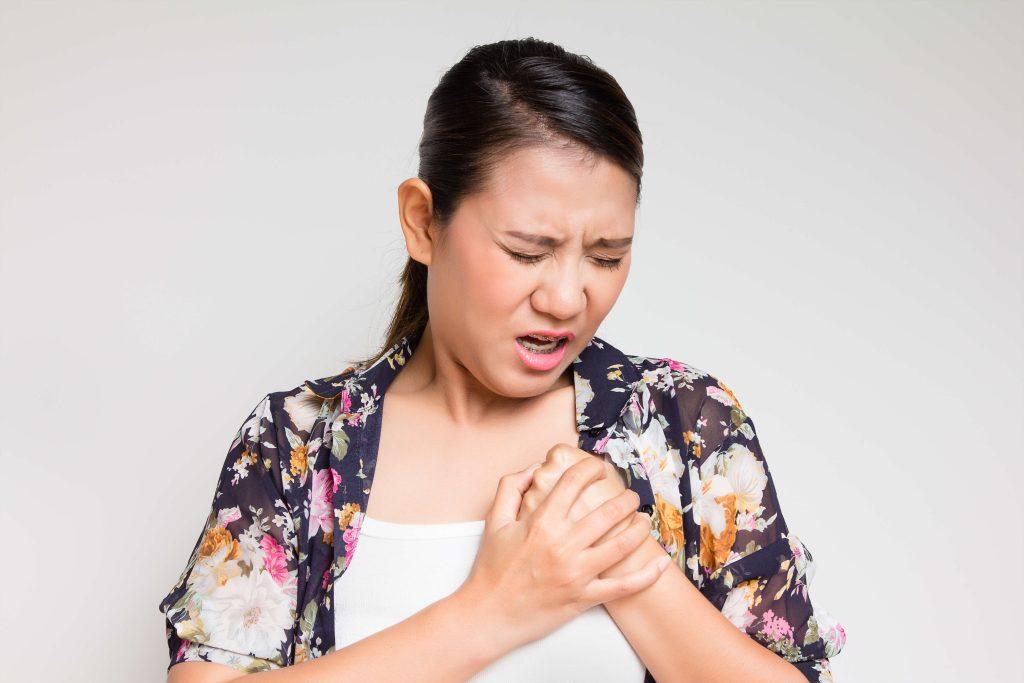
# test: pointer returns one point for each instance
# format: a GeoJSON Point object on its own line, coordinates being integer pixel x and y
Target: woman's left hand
{"type": "Point", "coordinates": [561, 457]}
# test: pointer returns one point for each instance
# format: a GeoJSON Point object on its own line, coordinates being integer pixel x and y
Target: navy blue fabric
{"type": "Point", "coordinates": [289, 501]}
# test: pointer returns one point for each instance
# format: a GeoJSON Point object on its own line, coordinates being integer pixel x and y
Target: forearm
{"type": "Point", "coordinates": [681, 637]}
{"type": "Point", "coordinates": [449, 640]}
{"type": "Point", "coordinates": [445, 641]}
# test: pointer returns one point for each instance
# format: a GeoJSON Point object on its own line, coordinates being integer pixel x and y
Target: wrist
{"type": "Point", "coordinates": [488, 636]}
{"type": "Point", "coordinates": [643, 554]}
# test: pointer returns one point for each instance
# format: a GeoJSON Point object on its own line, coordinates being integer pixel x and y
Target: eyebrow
{"type": "Point", "coordinates": [548, 241]}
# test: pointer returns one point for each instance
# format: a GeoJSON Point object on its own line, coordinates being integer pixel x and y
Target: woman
{"type": "Point", "coordinates": [504, 540]}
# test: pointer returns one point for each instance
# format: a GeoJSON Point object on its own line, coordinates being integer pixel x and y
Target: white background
{"type": "Point", "coordinates": [197, 206]}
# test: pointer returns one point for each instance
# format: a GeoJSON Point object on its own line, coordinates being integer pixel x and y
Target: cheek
{"type": "Point", "coordinates": [492, 281]}
{"type": "Point", "coordinates": [603, 292]}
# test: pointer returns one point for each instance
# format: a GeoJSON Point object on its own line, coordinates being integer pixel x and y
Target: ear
{"type": "Point", "coordinates": [415, 211]}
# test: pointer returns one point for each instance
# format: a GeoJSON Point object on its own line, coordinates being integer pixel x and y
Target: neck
{"type": "Point", "coordinates": [435, 375]}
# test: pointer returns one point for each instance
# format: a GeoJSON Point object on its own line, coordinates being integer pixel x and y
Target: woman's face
{"type": "Point", "coordinates": [546, 247]}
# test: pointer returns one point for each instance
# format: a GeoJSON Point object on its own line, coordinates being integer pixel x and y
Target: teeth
{"type": "Point", "coordinates": [546, 347]}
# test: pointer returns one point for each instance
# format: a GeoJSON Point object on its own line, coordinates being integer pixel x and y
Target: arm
{"type": "Point", "coordinates": [449, 640]}
{"type": "Point", "coordinates": [695, 642]}
{"type": "Point", "coordinates": [231, 613]}
{"type": "Point", "coordinates": [743, 612]}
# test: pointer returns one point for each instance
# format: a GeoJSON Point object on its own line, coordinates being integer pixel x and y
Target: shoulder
{"type": "Point", "coordinates": [297, 407]}
{"type": "Point", "coordinates": [707, 408]}
{"type": "Point", "coordinates": [684, 381]}
{"type": "Point", "coordinates": [293, 409]}
{"type": "Point", "coordinates": [699, 396]}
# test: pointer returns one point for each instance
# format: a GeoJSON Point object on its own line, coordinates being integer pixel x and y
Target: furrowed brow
{"type": "Point", "coordinates": [548, 241]}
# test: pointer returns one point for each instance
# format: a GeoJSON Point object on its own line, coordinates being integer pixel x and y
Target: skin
{"type": "Point", "coordinates": [465, 385]}
{"type": "Point", "coordinates": [562, 534]}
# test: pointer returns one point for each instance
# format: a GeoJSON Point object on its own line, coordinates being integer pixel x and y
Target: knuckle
{"type": "Point", "coordinates": [573, 475]}
{"type": "Point", "coordinates": [560, 453]}
{"type": "Point", "coordinates": [588, 466]}
{"type": "Point", "coordinates": [542, 477]}
{"type": "Point", "coordinates": [595, 465]}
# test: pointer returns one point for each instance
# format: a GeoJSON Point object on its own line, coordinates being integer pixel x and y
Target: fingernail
{"type": "Point", "coordinates": [663, 563]}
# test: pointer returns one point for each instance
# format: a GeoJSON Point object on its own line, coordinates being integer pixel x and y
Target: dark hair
{"type": "Point", "coordinates": [500, 98]}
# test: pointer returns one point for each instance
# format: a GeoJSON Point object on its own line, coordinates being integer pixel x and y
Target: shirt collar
{"type": "Point", "coordinates": [604, 379]}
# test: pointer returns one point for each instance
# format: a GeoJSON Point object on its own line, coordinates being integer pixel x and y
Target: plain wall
{"type": "Point", "coordinates": [197, 206]}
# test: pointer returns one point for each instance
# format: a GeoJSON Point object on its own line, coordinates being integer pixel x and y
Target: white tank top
{"type": "Point", "coordinates": [398, 569]}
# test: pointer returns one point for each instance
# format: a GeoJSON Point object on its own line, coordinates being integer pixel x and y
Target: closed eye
{"type": "Point", "coordinates": [611, 264]}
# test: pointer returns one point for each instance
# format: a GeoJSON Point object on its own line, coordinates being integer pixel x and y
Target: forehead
{"type": "Point", "coordinates": [561, 191]}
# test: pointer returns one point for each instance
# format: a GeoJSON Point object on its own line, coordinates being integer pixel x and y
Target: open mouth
{"type": "Point", "coordinates": [541, 344]}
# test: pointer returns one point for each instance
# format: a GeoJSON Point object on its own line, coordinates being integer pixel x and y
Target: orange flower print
{"type": "Point", "coordinates": [217, 563]}
{"type": "Point", "coordinates": [217, 538]}
{"type": "Point", "coordinates": [247, 458]}
{"type": "Point", "coordinates": [299, 460]}
{"type": "Point", "coordinates": [347, 512]}
{"type": "Point", "coordinates": [717, 510]}
{"type": "Point", "coordinates": [670, 522]}
{"type": "Point", "coordinates": [691, 437]}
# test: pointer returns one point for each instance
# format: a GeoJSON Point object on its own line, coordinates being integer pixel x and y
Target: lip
{"type": "Point", "coordinates": [543, 361]}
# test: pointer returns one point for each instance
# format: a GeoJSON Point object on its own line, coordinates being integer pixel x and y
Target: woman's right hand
{"type": "Point", "coordinates": [535, 574]}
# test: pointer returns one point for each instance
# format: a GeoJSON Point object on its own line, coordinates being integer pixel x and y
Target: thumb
{"type": "Point", "coordinates": [509, 496]}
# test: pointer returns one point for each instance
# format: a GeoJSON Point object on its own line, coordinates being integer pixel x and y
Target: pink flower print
{"type": "Point", "coordinates": [181, 650]}
{"type": "Point", "coordinates": [836, 636]}
{"type": "Point", "coordinates": [274, 559]}
{"type": "Point", "coordinates": [321, 509]}
{"type": "Point", "coordinates": [228, 515]}
{"type": "Point", "coordinates": [346, 401]}
{"type": "Point", "coordinates": [776, 628]}
{"type": "Point", "coordinates": [351, 536]}
{"type": "Point", "coordinates": [674, 365]}
{"type": "Point", "coordinates": [323, 582]}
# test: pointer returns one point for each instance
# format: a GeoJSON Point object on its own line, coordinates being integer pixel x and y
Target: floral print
{"type": "Point", "coordinates": [256, 592]}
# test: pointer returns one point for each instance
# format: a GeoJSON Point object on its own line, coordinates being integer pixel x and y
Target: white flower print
{"type": "Point", "coordinates": [746, 476]}
{"type": "Point", "coordinates": [250, 612]}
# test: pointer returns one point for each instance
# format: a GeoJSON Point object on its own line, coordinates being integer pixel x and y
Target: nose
{"type": "Point", "coordinates": [561, 293]}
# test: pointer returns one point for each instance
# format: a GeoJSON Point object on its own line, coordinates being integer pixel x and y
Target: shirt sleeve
{"type": "Point", "coordinates": [743, 558]}
{"type": "Point", "coordinates": [235, 601]}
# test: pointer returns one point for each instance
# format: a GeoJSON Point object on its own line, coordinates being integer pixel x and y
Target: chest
{"type": "Point", "coordinates": [428, 471]}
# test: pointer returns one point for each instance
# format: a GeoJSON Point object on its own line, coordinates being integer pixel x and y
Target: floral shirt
{"type": "Point", "coordinates": [256, 591]}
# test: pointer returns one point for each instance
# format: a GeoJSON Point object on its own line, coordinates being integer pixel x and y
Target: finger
{"type": "Point", "coordinates": [563, 455]}
{"type": "Point", "coordinates": [508, 497]}
{"type": "Point", "coordinates": [607, 553]}
{"type": "Point", "coordinates": [598, 521]}
{"type": "Point", "coordinates": [531, 499]}
{"type": "Point", "coordinates": [568, 488]}
{"type": "Point", "coordinates": [605, 590]}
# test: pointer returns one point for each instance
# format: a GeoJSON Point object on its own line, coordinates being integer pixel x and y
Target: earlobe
{"type": "Point", "coordinates": [415, 215]}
